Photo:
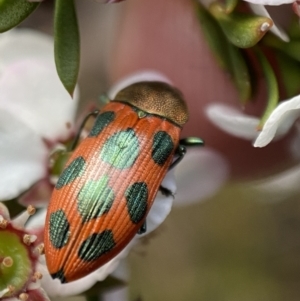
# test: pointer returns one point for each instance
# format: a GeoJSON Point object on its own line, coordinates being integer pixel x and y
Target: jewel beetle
{"type": "Point", "coordinates": [102, 197]}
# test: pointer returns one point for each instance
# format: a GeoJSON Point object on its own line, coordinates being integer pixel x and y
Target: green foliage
{"type": "Point", "coordinates": [242, 30]}
{"type": "Point", "coordinates": [228, 56]}
{"type": "Point", "coordinates": [228, 32]}
{"type": "Point", "coordinates": [290, 74]}
{"type": "Point", "coordinates": [67, 43]}
{"type": "Point", "coordinates": [272, 86]}
{"type": "Point", "coordinates": [214, 36]}
{"type": "Point", "coordinates": [230, 5]}
{"type": "Point", "coordinates": [13, 12]}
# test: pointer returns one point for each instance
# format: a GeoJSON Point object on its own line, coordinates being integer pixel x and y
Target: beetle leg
{"type": "Point", "coordinates": [181, 149]}
{"type": "Point", "coordinates": [75, 142]}
{"type": "Point", "coordinates": [191, 141]}
{"type": "Point", "coordinates": [165, 191]}
{"type": "Point", "coordinates": [180, 152]}
{"type": "Point", "coordinates": [143, 228]}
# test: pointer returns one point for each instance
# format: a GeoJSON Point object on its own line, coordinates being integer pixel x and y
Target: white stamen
{"type": "Point", "coordinates": [264, 27]}
{"type": "Point", "coordinates": [3, 222]}
{"type": "Point", "coordinates": [40, 249]}
{"type": "Point", "coordinates": [34, 285]}
{"type": "Point", "coordinates": [29, 239]}
{"type": "Point", "coordinates": [31, 210]}
{"type": "Point", "coordinates": [20, 220]}
{"type": "Point", "coordinates": [23, 297]}
{"type": "Point", "coordinates": [7, 262]}
{"type": "Point", "coordinates": [37, 276]}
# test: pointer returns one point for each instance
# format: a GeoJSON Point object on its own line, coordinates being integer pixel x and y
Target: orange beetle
{"type": "Point", "coordinates": [103, 195]}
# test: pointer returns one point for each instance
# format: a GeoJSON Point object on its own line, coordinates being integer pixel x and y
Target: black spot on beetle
{"type": "Point", "coordinates": [59, 275]}
{"type": "Point", "coordinates": [162, 147]}
{"type": "Point", "coordinates": [59, 229]}
{"type": "Point", "coordinates": [71, 172]}
{"type": "Point", "coordinates": [137, 196]}
{"type": "Point", "coordinates": [102, 121]}
{"type": "Point", "coordinates": [96, 245]}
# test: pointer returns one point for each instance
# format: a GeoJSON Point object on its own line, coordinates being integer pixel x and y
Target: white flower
{"type": "Point", "coordinates": [280, 120]}
{"type": "Point", "coordinates": [278, 187]}
{"type": "Point", "coordinates": [236, 123]}
{"type": "Point", "coordinates": [283, 184]}
{"type": "Point", "coordinates": [232, 121]}
{"type": "Point", "coordinates": [271, 2]}
{"type": "Point", "coordinates": [35, 110]}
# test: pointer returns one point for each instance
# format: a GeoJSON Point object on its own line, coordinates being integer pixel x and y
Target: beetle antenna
{"type": "Point", "coordinates": [87, 117]}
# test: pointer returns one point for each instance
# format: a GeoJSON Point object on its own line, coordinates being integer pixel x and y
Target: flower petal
{"type": "Point", "coordinates": [270, 2]}
{"type": "Point", "coordinates": [37, 220]}
{"type": "Point", "coordinates": [280, 121]}
{"type": "Point", "coordinates": [22, 156]}
{"type": "Point", "coordinates": [55, 288]}
{"type": "Point", "coordinates": [18, 44]}
{"type": "Point", "coordinates": [38, 195]}
{"type": "Point", "coordinates": [141, 76]}
{"type": "Point", "coordinates": [122, 271]}
{"type": "Point", "coordinates": [294, 144]}
{"type": "Point", "coordinates": [31, 89]}
{"type": "Point", "coordinates": [120, 294]}
{"type": "Point", "coordinates": [4, 211]}
{"type": "Point", "coordinates": [38, 295]}
{"type": "Point", "coordinates": [200, 175]}
{"type": "Point", "coordinates": [279, 187]}
{"type": "Point", "coordinates": [296, 7]}
{"type": "Point", "coordinates": [112, 1]}
{"type": "Point", "coordinates": [276, 29]}
{"type": "Point", "coordinates": [232, 121]}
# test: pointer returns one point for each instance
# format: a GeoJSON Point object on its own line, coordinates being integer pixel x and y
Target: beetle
{"type": "Point", "coordinates": [102, 197]}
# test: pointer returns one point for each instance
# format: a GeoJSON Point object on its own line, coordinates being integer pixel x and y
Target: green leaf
{"type": "Point", "coordinates": [242, 30]}
{"type": "Point", "coordinates": [213, 35]}
{"type": "Point", "coordinates": [292, 48]}
{"type": "Point", "coordinates": [67, 43]}
{"type": "Point", "coordinates": [241, 74]}
{"type": "Point", "coordinates": [13, 12]}
{"type": "Point", "coordinates": [230, 5]}
{"type": "Point", "coordinates": [294, 30]}
{"type": "Point", "coordinates": [227, 55]}
{"type": "Point", "coordinates": [272, 86]}
{"type": "Point", "coordinates": [290, 74]}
